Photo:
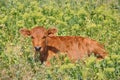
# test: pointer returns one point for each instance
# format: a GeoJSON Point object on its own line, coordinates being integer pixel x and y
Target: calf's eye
{"type": "Point", "coordinates": [32, 37]}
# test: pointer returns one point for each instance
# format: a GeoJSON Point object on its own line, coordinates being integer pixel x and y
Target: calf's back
{"type": "Point", "coordinates": [75, 47]}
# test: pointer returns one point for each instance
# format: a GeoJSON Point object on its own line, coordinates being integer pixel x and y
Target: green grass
{"type": "Point", "coordinates": [97, 19]}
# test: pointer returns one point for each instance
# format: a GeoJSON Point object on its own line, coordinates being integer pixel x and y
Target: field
{"type": "Point", "coordinates": [96, 19]}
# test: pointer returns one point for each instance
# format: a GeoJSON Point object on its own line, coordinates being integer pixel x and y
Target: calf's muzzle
{"type": "Point", "coordinates": [37, 48]}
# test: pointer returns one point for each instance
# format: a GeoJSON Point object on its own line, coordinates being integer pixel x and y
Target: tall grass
{"type": "Point", "coordinates": [97, 19]}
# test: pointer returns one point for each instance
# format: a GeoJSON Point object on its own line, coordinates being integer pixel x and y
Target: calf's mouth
{"type": "Point", "coordinates": [37, 56]}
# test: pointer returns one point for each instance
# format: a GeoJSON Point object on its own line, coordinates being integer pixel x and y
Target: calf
{"type": "Point", "coordinates": [48, 45]}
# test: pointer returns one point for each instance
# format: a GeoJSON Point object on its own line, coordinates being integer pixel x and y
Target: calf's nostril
{"type": "Point", "coordinates": [37, 48]}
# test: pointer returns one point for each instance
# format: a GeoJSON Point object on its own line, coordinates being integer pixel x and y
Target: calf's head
{"type": "Point", "coordinates": [38, 36]}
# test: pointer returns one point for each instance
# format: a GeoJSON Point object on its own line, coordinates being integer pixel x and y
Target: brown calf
{"type": "Point", "coordinates": [48, 45]}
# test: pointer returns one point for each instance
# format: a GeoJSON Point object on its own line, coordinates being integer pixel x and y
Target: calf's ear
{"type": "Point", "coordinates": [25, 32]}
{"type": "Point", "coordinates": [51, 32]}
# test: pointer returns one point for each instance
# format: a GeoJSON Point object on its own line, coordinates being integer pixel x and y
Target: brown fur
{"type": "Point", "coordinates": [76, 47]}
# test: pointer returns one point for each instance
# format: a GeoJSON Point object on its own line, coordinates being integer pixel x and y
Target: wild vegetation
{"type": "Point", "coordinates": [97, 19]}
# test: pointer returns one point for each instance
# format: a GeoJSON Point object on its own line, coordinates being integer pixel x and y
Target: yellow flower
{"type": "Point", "coordinates": [13, 10]}
{"type": "Point", "coordinates": [110, 62]}
{"type": "Point", "coordinates": [75, 27]}
{"type": "Point", "coordinates": [20, 23]}
{"type": "Point", "coordinates": [90, 60]}
{"type": "Point", "coordinates": [115, 56]}
{"type": "Point", "coordinates": [61, 22]}
{"type": "Point", "coordinates": [25, 15]}
{"type": "Point", "coordinates": [4, 19]}
{"type": "Point", "coordinates": [66, 66]}
{"type": "Point", "coordinates": [33, 3]}
{"type": "Point", "coordinates": [20, 6]}
{"type": "Point", "coordinates": [107, 58]}
{"type": "Point", "coordinates": [109, 69]}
